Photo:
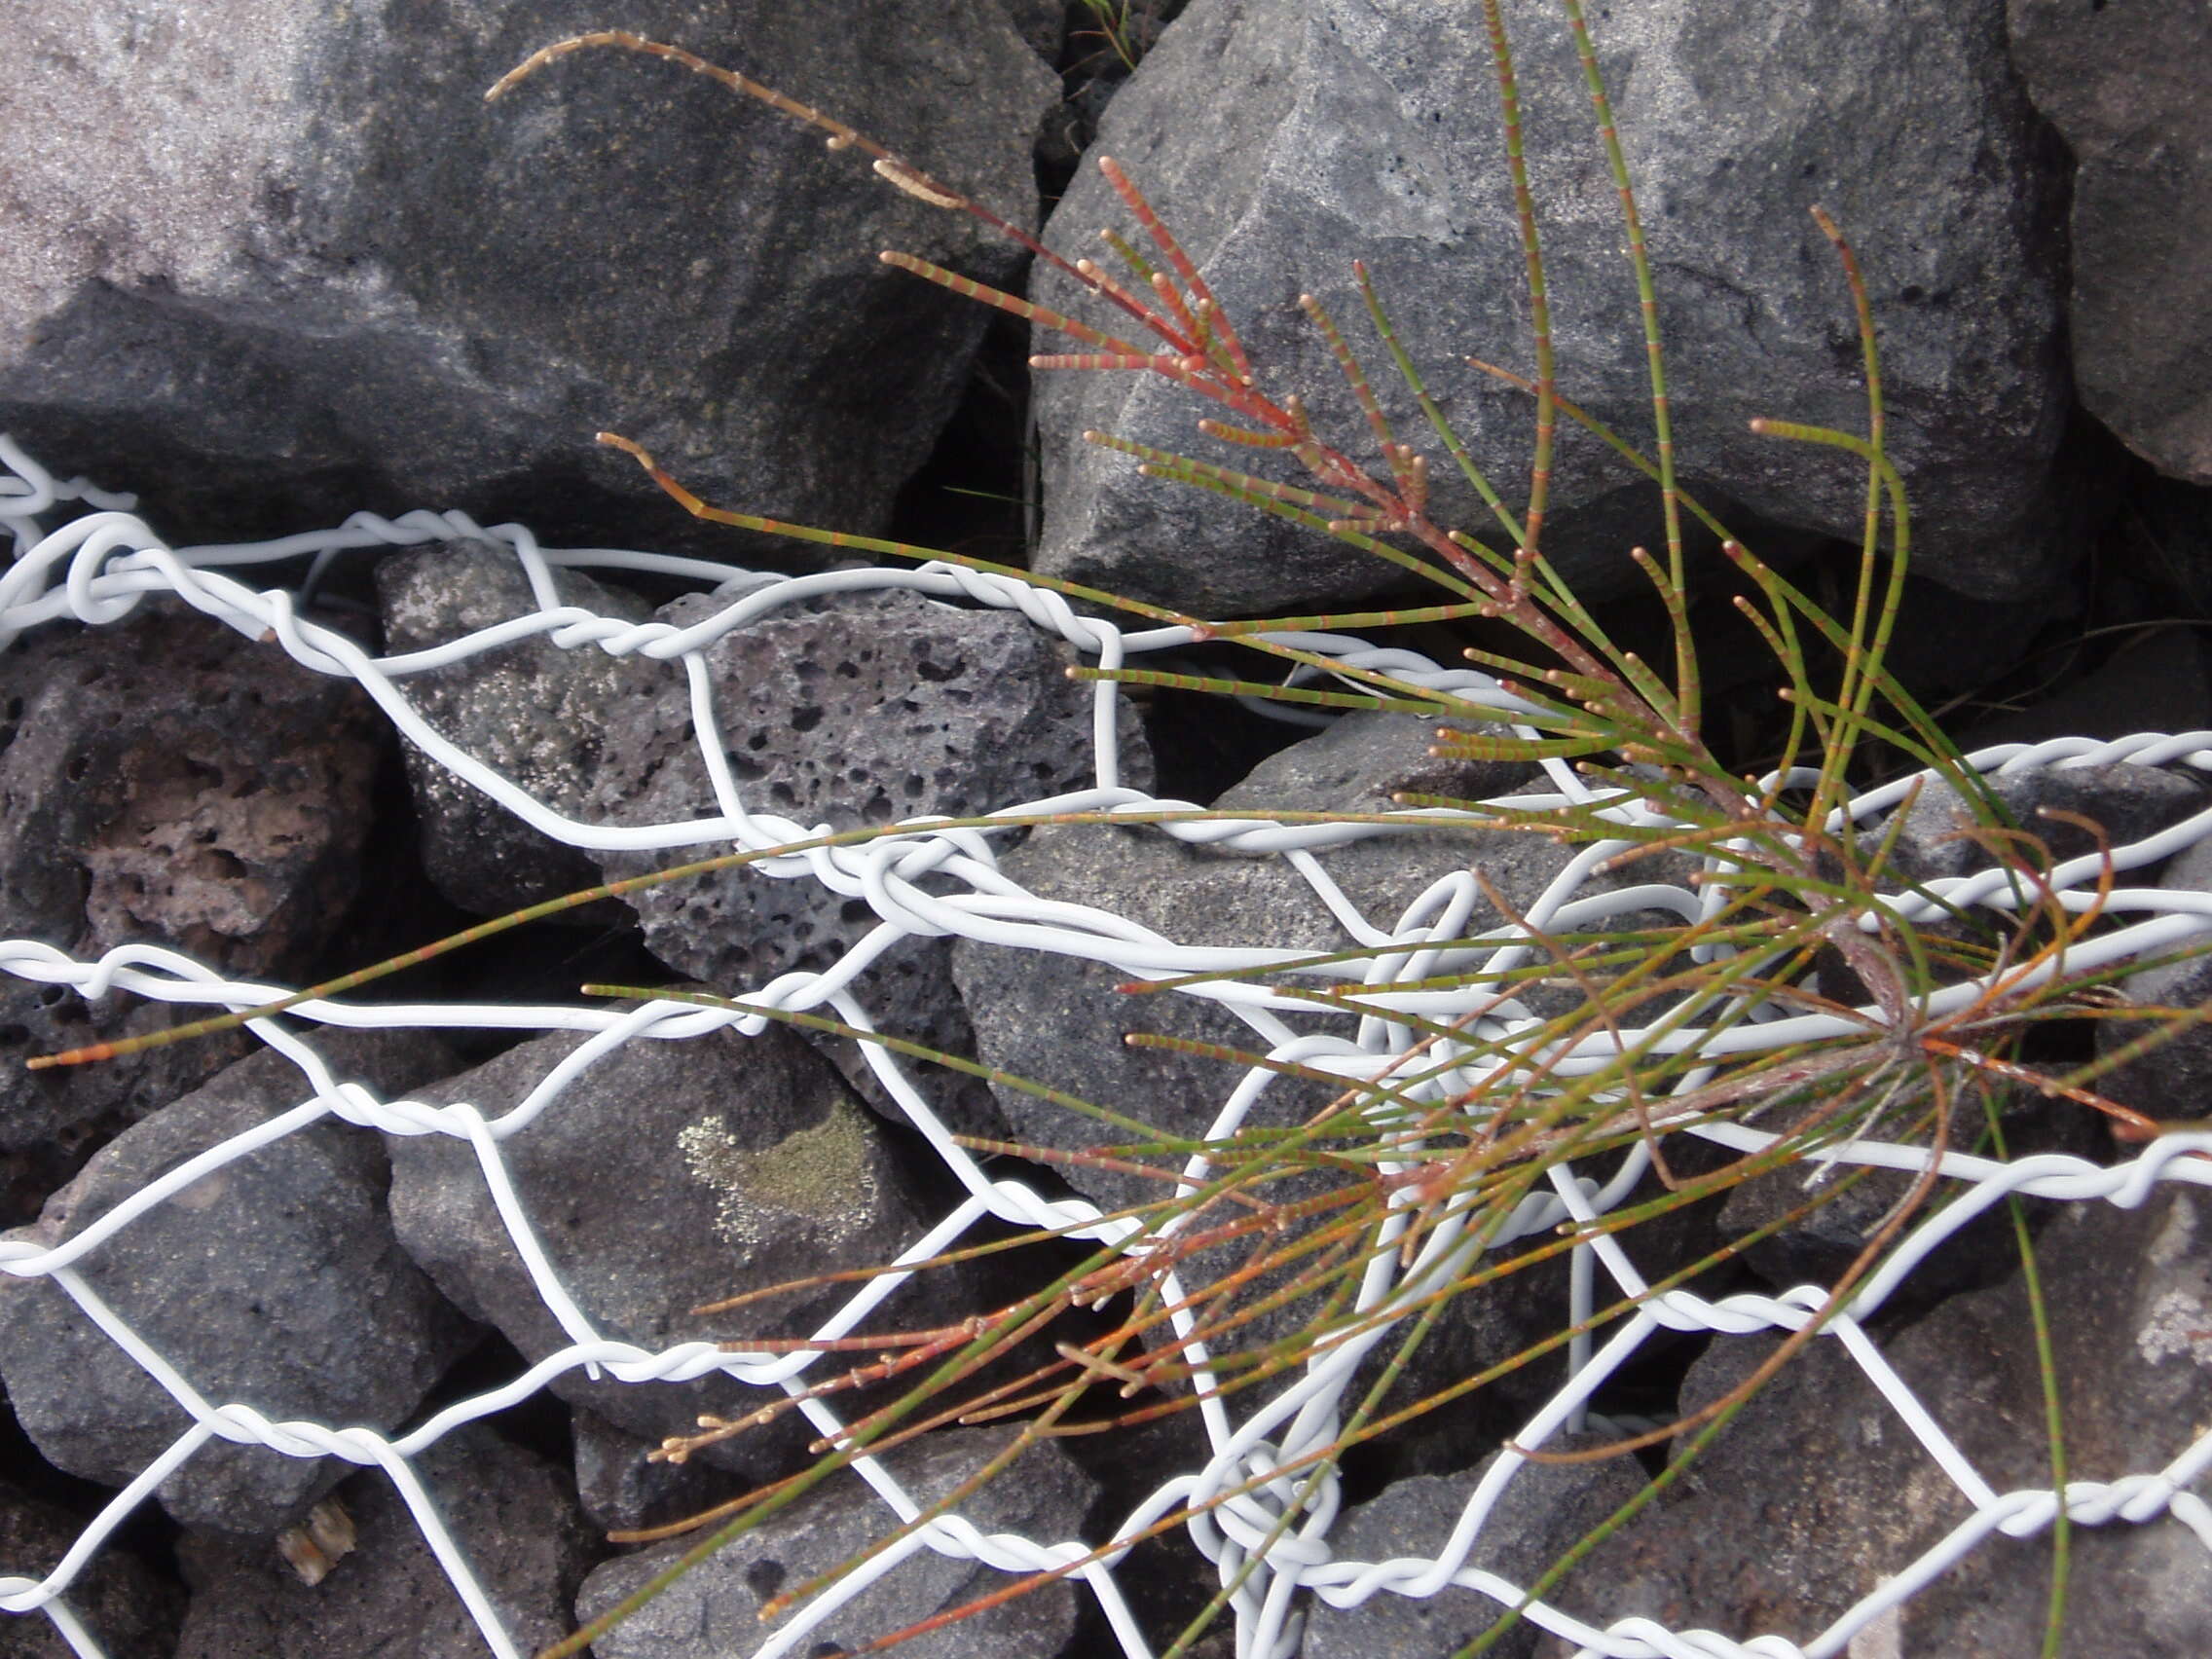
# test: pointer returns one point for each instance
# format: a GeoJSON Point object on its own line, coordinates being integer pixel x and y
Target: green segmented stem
{"type": "Point", "coordinates": [1533, 262]}
{"type": "Point", "coordinates": [1332, 621]}
{"type": "Point", "coordinates": [1647, 303]}
{"type": "Point", "coordinates": [967, 288]}
{"type": "Point", "coordinates": [1312, 500]}
{"type": "Point", "coordinates": [1452, 445]}
{"type": "Point", "coordinates": [91, 1053]}
{"type": "Point", "coordinates": [1355, 377]}
{"type": "Point", "coordinates": [1226, 687]}
{"type": "Point", "coordinates": [1229, 434]}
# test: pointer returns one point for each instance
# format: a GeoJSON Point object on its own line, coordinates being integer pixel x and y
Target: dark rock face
{"type": "Point", "coordinates": [2125, 87]}
{"type": "Point", "coordinates": [1363, 762]}
{"type": "Point", "coordinates": [622, 1489]}
{"type": "Point", "coordinates": [868, 710]}
{"type": "Point", "coordinates": [714, 1609]}
{"type": "Point", "coordinates": [512, 1514]}
{"type": "Point", "coordinates": [1537, 1518]}
{"type": "Point", "coordinates": [201, 792]}
{"type": "Point", "coordinates": [297, 253]}
{"type": "Point", "coordinates": [2174, 1080]}
{"type": "Point", "coordinates": [1821, 1490]}
{"type": "Point", "coordinates": [165, 782]}
{"type": "Point", "coordinates": [132, 1611]}
{"type": "Point", "coordinates": [532, 712]}
{"type": "Point", "coordinates": [2128, 804]}
{"type": "Point", "coordinates": [667, 1175]}
{"type": "Point", "coordinates": [273, 1281]}
{"type": "Point", "coordinates": [1281, 140]}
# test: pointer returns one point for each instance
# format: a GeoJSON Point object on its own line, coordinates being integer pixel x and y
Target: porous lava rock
{"type": "Point", "coordinates": [862, 710]}
{"type": "Point", "coordinates": [531, 711]}
{"type": "Point", "coordinates": [163, 781]}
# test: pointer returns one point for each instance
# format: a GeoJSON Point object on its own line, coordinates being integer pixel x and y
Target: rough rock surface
{"type": "Point", "coordinates": [717, 1165]}
{"type": "Point", "coordinates": [130, 1610]}
{"type": "Point", "coordinates": [273, 1281]}
{"type": "Point", "coordinates": [714, 1609]}
{"type": "Point", "coordinates": [294, 252]}
{"type": "Point", "coordinates": [2127, 803]}
{"type": "Point", "coordinates": [866, 711]}
{"type": "Point", "coordinates": [1543, 1513]}
{"type": "Point", "coordinates": [621, 1488]}
{"type": "Point", "coordinates": [1060, 1021]}
{"type": "Point", "coordinates": [532, 712]}
{"type": "Point", "coordinates": [2125, 86]}
{"type": "Point", "coordinates": [1281, 140]}
{"type": "Point", "coordinates": [512, 1514]}
{"type": "Point", "coordinates": [1819, 1247]}
{"type": "Point", "coordinates": [163, 781]}
{"type": "Point", "coordinates": [1821, 1490]}
{"type": "Point", "coordinates": [1364, 762]}
{"type": "Point", "coordinates": [2174, 1080]}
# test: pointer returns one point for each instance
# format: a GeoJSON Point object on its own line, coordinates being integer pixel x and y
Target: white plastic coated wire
{"type": "Point", "coordinates": [1253, 1496]}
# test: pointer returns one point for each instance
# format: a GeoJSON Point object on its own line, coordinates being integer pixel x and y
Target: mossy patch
{"type": "Point", "coordinates": [821, 1177]}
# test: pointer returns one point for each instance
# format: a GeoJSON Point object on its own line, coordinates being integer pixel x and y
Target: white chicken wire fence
{"type": "Point", "coordinates": [99, 565]}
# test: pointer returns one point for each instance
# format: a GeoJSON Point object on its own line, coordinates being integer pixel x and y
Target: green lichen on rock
{"type": "Point", "coordinates": [822, 1177]}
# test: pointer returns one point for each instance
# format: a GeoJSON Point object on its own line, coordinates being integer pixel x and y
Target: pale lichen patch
{"type": "Point", "coordinates": [819, 1178]}
{"type": "Point", "coordinates": [2178, 1323]}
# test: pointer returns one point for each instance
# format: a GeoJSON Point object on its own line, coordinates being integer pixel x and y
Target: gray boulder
{"type": "Point", "coordinates": [865, 709]}
{"type": "Point", "coordinates": [1284, 138]}
{"type": "Point", "coordinates": [129, 1608]}
{"type": "Point", "coordinates": [2124, 86]}
{"type": "Point", "coordinates": [2173, 1080]}
{"type": "Point", "coordinates": [1061, 1021]}
{"type": "Point", "coordinates": [274, 1282]}
{"type": "Point", "coordinates": [1543, 1513]}
{"type": "Point", "coordinates": [1818, 1490]}
{"type": "Point", "coordinates": [293, 255]}
{"type": "Point", "coordinates": [668, 1175]}
{"type": "Point", "coordinates": [623, 1489]}
{"type": "Point", "coordinates": [714, 1609]}
{"type": "Point", "coordinates": [1364, 762]}
{"type": "Point", "coordinates": [2126, 802]}
{"type": "Point", "coordinates": [532, 712]}
{"type": "Point", "coordinates": [512, 1514]}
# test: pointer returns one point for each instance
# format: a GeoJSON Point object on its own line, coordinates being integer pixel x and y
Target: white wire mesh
{"type": "Point", "coordinates": [97, 566]}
